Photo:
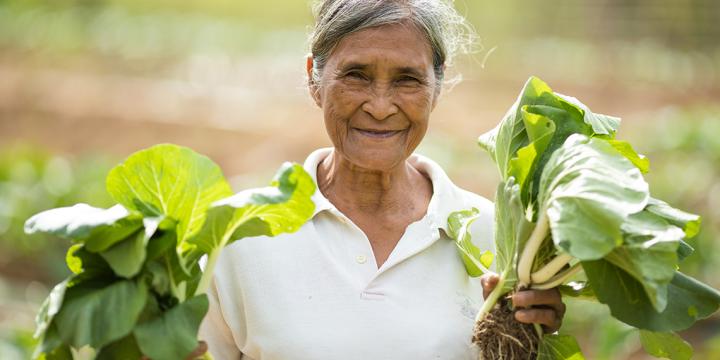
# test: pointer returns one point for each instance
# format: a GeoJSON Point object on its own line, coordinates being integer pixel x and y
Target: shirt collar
{"type": "Point", "coordinates": [446, 198]}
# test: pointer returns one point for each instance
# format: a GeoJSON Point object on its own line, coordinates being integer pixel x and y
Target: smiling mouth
{"type": "Point", "coordinates": [379, 134]}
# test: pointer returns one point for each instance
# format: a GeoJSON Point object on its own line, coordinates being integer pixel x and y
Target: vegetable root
{"type": "Point", "coordinates": [500, 337]}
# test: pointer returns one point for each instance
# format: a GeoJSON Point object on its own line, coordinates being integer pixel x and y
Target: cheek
{"type": "Point", "coordinates": [418, 108]}
{"type": "Point", "coordinates": [336, 112]}
{"type": "Point", "coordinates": [340, 103]}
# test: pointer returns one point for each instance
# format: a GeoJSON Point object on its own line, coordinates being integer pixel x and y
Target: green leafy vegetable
{"type": "Point", "coordinates": [584, 209]}
{"type": "Point", "coordinates": [476, 262]}
{"type": "Point", "coordinates": [559, 347]}
{"type": "Point", "coordinates": [572, 199]}
{"type": "Point", "coordinates": [282, 207]}
{"type": "Point", "coordinates": [665, 345]}
{"type": "Point", "coordinates": [136, 274]}
{"type": "Point", "coordinates": [82, 319]}
{"type": "Point", "coordinates": [177, 327]}
{"type": "Point", "coordinates": [97, 228]}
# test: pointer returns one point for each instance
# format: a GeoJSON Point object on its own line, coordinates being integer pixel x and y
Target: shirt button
{"type": "Point", "coordinates": [361, 259]}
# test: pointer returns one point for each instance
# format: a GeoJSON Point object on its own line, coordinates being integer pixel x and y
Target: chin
{"type": "Point", "coordinates": [380, 160]}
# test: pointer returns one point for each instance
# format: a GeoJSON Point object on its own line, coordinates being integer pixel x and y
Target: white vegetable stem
{"type": "Point", "coordinates": [207, 272]}
{"type": "Point", "coordinates": [206, 278]}
{"type": "Point", "coordinates": [551, 268]}
{"type": "Point", "coordinates": [558, 279]}
{"type": "Point", "coordinates": [492, 299]}
{"type": "Point", "coordinates": [531, 248]}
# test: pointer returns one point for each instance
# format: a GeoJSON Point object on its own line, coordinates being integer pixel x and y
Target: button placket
{"type": "Point", "coordinates": [357, 249]}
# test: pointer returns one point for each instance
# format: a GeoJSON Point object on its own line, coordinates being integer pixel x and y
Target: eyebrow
{"type": "Point", "coordinates": [353, 66]}
{"type": "Point", "coordinates": [409, 70]}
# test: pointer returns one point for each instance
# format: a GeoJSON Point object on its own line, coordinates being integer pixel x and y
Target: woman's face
{"type": "Point", "coordinates": [377, 90]}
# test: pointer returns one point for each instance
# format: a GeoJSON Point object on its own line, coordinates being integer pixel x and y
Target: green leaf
{"type": "Point", "coordinates": [688, 300]}
{"type": "Point", "coordinates": [127, 257]}
{"type": "Point", "coordinates": [171, 181]}
{"type": "Point", "coordinates": [568, 121]}
{"type": "Point", "coordinates": [665, 345]}
{"type": "Point", "coordinates": [588, 190]}
{"type": "Point", "coordinates": [97, 316]}
{"type": "Point", "coordinates": [51, 347]}
{"type": "Point", "coordinates": [282, 207]}
{"type": "Point", "coordinates": [87, 265]}
{"type": "Point", "coordinates": [98, 228]}
{"type": "Point", "coordinates": [559, 347]}
{"type": "Point", "coordinates": [649, 254]}
{"type": "Point", "coordinates": [50, 308]}
{"type": "Point", "coordinates": [601, 124]}
{"type": "Point", "coordinates": [540, 131]}
{"type": "Point", "coordinates": [476, 262]}
{"type": "Point", "coordinates": [690, 223]}
{"type": "Point", "coordinates": [161, 243]}
{"type": "Point", "coordinates": [684, 250]}
{"type": "Point", "coordinates": [74, 263]}
{"type": "Point", "coordinates": [176, 327]}
{"type": "Point", "coordinates": [511, 230]}
{"type": "Point", "coordinates": [509, 136]}
{"type": "Point", "coordinates": [123, 349]}
{"type": "Point", "coordinates": [62, 352]}
{"type": "Point", "coordinates": [624, 147]}
{"type": "Point", "coordinates": [159, 278]}
{"type": "Point", "coordinates": [577, 289]}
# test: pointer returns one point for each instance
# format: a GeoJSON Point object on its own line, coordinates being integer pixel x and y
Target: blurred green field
{"type": "Point", "coordinates": [84, 83]}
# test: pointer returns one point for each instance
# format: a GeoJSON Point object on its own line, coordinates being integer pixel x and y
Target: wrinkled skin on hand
{"type": "Point", "coordinates": [544, 307]}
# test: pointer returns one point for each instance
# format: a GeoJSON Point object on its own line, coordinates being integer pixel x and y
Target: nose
{"type": "Point", "coordinates": [380, 105]}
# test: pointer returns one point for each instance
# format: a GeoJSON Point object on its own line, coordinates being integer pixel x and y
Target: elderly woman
{"type": "Point", "coordinates": [373, 274]}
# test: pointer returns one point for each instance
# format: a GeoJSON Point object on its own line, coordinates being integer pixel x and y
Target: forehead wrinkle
{"type": "Point", "coordinates": [381, 38]}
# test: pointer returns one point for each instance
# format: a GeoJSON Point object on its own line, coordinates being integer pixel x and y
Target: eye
{"type": "Point", "coordinates": [358, 75]}
{"type": "Point", "coordinates": [409, 80]}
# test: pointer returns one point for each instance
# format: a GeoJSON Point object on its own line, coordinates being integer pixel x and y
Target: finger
{"type": "Point", "coordinates": [529, 298]}
{"type": "Point", "coordinates": [546, 317]}
{"type": "Point", "coordinates": [540, 298]}
{"type": "Point", "coordinates": [199, 351]}
{"type": "Point", "coordinates": [488, 283]}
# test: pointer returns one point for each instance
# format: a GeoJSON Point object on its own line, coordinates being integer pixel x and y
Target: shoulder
{"type": "Point", "coordinates": [450, 198]}
{"type": "Point", "coordinates": [473, 200]}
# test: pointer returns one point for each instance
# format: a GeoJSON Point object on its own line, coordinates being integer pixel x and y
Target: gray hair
{"type": "Point", "coordinates": [447, 31]}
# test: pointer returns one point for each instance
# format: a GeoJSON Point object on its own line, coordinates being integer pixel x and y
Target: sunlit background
{"type": "Point", "coordinates": [84, 83]}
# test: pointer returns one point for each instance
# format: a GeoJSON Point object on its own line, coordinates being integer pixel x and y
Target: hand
{"type": "Point", "coordinates": [199, 351]}
{"type": "Point", "coordinates": [544, 307]}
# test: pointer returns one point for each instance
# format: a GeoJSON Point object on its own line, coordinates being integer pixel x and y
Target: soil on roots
{"type": "Point", "coordinates": [501, 337]}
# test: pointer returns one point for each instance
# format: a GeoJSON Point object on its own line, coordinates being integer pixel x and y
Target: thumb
{"type": "Point", "coordinates": [488, 283]}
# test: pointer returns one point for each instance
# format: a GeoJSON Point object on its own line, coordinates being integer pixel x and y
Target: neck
{"type": "Point", "coordinates": [356, 189]}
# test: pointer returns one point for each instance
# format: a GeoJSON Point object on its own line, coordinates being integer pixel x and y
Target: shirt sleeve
{"type": "Point", "coordinates": [216, 332]}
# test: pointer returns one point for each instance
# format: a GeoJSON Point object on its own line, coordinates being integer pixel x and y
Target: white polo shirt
{"type": "Point", "coordinates": [318, 293]}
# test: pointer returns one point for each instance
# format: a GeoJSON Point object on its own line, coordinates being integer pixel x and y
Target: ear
{"type": "Point", "coordinates": [312, 86]}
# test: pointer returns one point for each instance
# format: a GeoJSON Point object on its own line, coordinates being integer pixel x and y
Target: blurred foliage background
{"type": "Point", "coordinates": [83, 83]}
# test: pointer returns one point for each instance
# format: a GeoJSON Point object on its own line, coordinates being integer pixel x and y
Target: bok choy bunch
{"type": "Point", "coordinates": [137, 288]}
{"type": "Point", "coordinates": [574, 211]}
